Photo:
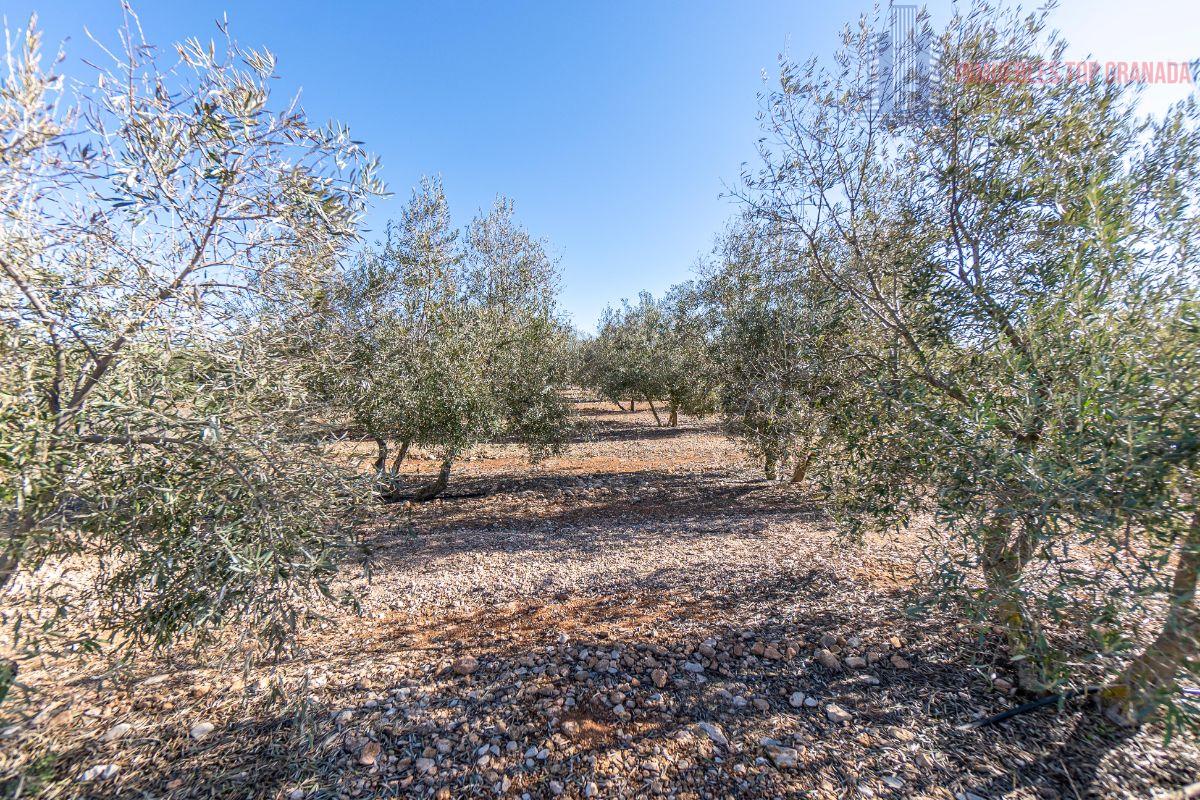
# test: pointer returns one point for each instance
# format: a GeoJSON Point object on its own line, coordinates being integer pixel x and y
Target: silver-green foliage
{"type": "Point", "coordinates": [444, 339]}
{"type": "Point", "coordinates": [151, 432]}
{"type": "Point", "coordinates": [1020, 259]}
{"type": "Point", "coordinates": [653, 350]}
{"type": "Point", "coordinates": [779, 347]}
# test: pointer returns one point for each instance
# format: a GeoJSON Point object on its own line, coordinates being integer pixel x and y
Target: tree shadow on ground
{"type": "Point", "coordinates": [612, 433]}
{"type": "Point", "coordinates": [587, 512]}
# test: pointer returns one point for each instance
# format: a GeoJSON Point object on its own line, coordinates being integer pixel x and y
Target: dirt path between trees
{"type": "Point", "coordinates": [637, 617]}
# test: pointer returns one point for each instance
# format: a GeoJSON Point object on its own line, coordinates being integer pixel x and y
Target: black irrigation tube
{"type": "Point", "coordinates": [1051, 699]}
{"type": "Point", "coordinates": [1045, 701]}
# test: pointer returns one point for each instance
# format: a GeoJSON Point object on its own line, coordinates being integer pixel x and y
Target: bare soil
{"type": "Point", "coordinates": [637, 617]}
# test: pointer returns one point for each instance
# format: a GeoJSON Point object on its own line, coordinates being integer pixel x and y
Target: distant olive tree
{"type": "Point", "coordinates": [685, 353]}
{"type": "Point", "coordinates": [622, 360]}
{"type": "Point", "coordinates": [1023, 257]}
{"type": "Point", "coordinates": [511, 344]}
{"type": "Point", "coordinates": [654, 349]}
{"type": "Point", "coordinates": [599, 367]}
{"type": "Point", "coordinates": [444, 339]}
{"type": "Point", "coordinates": [779, 347]}
{"type": "Point", "coordinates": [151, 430]}
{"type": "Point", "coordinates": [378, 329]}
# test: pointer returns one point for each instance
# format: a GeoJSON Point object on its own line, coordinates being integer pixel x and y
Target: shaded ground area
{"type": "Point", "coordinates": [638, 617]}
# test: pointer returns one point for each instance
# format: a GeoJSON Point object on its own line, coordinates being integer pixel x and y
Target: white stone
{"type": "Point", "coordinates": [100, 772]}
{"type": "Point", "coordinates": [837, 714]}
{"type": "Point", "coordinates": [713, 732]}
{"type": "Point", "coordinates": [202, 729]}
{"type": "Point", "coordinates": [116, 732]}
{"type": "Point", "coordinates": [784, 757]}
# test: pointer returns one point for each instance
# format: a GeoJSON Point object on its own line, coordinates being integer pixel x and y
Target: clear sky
{"type": "Point", "coordinates": [615, 125]}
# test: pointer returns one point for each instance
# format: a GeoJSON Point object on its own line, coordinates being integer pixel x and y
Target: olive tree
{"type": "Point", "coordinates": [513, 325]}
{"type": "Point", "coordinates": [1017, 250]}
{"type": "Point", "coordinates": [778, 349]}
{"type": "Point", "coordinates": [378, 328]}
{"type": "Point", "coordinates": [600, 365]}
{"type": "Point", "coordinates": [684, 353]}
{"type": "Point", "coordinates": [151, 430]}
{"type": "Point", "coordinates": [444, 340]}
{"type": "Point", "coordinates": [654, 349]}
{"type": "Point", "coordinates": [623, 359]}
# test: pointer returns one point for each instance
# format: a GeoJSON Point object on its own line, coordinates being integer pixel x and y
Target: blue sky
{"type": "Point", "coordinates": [614, 125]}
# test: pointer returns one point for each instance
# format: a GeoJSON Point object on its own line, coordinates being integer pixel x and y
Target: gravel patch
{"type": "Point", "coordinates": [641, 616]}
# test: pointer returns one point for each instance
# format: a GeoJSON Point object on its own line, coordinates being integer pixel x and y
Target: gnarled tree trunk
{"type": "Point", "coordinates": [1133, 696]}
{"type": "Point", "coordinates": [801, 469]}
{"type": "Point", "coordinates": [432, 490]}
{"type": "Point", "coordinates": [1006, 551]}
{"type": "Point", "coordinates": [673, 422]}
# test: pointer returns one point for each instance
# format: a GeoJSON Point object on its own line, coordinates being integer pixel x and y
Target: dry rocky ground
{"type": "Point", "coordinates": [641, 616]}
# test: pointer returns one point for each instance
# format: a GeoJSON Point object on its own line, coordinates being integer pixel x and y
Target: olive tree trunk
{"type": "Point", "coordinates": [400, 455]}
{"type": "Point", "coordinates": [771, 465]}
{"type": "Point", "coordinates": [801, 469]}
{"type": "Point", "coordinates": [431, 490]}
{"type": "Point", "coordinates": [654, 411]}
{"type": "Point", "coordinates": [1133, 696]}
{"type": "Point", "coordinates": [1006, 551]}
{"type": "Point", "coordinates": [381, 459]}
{"type": "Point", "coordinates": [673, 422]}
